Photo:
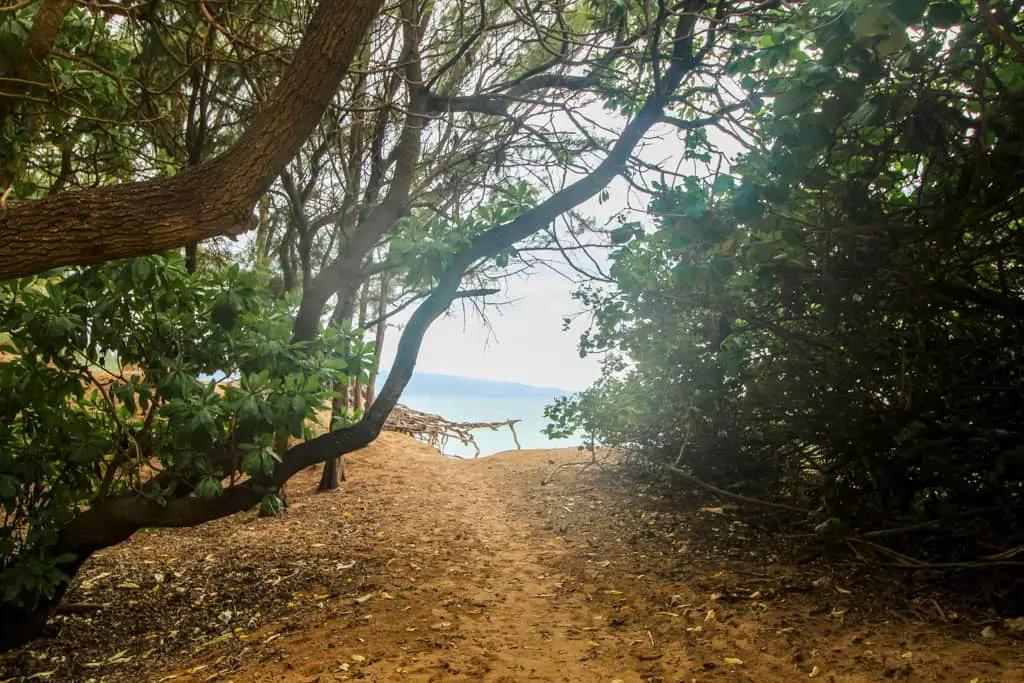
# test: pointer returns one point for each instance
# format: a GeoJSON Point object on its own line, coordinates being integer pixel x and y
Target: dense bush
{"type": "Point", "coordinates": [840, 320]}
{"type": "Point", "coordinates": [100, 394]}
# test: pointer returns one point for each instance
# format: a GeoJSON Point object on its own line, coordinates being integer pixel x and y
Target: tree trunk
{"type": "Point", "coordinates": [95, 225]}
{"type": "Point", "coordinates": [114, 520]}
{"type": "Point", "coordinates": [334, 468]}
{"type": "Point", "coordinates": [358, 390]}
{"type": "Point", "coordinates": [333, 474]}
{"type": "Point", "coordinates": [382, 302]}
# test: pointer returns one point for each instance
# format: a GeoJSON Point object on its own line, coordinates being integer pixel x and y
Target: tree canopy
{"type": "Point", "coordinates": [417, 151]}
{"type": "Point", "coordinates": [209, 207]}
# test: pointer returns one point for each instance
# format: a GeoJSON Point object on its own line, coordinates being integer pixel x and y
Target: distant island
{"type": "Point", "coordinates": [453, 385]}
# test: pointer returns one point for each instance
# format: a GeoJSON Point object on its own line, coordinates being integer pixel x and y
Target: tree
{"type": "Point", "coordinates": [429, 207]}
{"type": "Point", "coordinates": [214, 198]}
{"type": "Point", "coordinates": [837, 319]}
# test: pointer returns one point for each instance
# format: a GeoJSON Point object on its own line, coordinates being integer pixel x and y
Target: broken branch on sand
{"type": "Point", "coordinates": [436, 430]}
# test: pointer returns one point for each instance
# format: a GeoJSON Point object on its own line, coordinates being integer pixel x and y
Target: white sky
{"type": "Point", "coordinates": [526, 343]}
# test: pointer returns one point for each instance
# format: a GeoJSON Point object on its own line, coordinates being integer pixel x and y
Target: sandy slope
{"type": "Point", "coordinates": [423, 568]}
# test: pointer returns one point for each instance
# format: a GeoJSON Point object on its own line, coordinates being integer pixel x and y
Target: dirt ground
{"type": "Point", "coordinates": [425, 568]}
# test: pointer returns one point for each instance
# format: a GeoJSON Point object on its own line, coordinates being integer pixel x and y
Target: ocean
{"type": "Point", "coordinates": [463, 399]}
{"type": "Point", "coordinates": [466, 408]}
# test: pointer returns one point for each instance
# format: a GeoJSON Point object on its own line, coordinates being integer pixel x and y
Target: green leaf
{"type": "Point", "coordinates": [908, 11]}
{"type": "Point", "coordinates": [866, 114]}
{"type": "Point", "coordinates": [893, 44]}
{"type": "Point", "coordinates": [209, 487]}
{"type": "Point", "coordinates": [747, 202]}
{"type": "Point", "coordinates": [622, 234]}
{"type": "Point", "coordinates": [945, 14]}
{"type": "Point", "coordinates": [723, 183]}
{"type": "Point", "coordinates": [792, 101]}
{"type": "Point", "coordinates": [877, 21]}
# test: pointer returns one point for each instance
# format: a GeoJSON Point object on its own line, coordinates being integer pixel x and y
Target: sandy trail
{"type": "Point", "coordinates": [424, 568]}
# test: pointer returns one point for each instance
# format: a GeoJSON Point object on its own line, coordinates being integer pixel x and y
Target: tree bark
{"type": "Point", "coordinates": [333, 472]}
{"type": "Point", "coordinates": [358, 390]}
{"type": "Point", "coordinates": [116, 519]}
{"type": "Point", "coordinates": [217, 197]}
{"type": "Point", "coordinates": [382, 325]}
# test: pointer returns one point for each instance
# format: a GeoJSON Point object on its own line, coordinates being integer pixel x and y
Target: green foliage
{"type": "Point", "coordinates": [842, 322]}
{"type": "Point", "coordinates": [428, 242]}
{"type": "Point", "coordinates": [101, 389]}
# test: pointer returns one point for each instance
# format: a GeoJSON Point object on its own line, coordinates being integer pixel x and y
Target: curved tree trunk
{"type": "Point", "coordinates": [215, 198]}
{"type": "Point", "coordinates": [114, 520]}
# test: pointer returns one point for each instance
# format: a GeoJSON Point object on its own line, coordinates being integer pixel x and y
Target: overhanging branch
{"type": "Point", "coordinates": [216, 198]}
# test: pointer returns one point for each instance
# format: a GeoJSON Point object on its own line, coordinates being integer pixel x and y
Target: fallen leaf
{"type": "Point", "coordinates": [89, 582]}
{"type": "Point", "coordinates": [814, 672]}
{"type": "Point", "coordinates": [734, 661]}
{"type": "Point", "coordinates": [1015, 625]}
{"type": "Point", "coordinates": [358, 659]}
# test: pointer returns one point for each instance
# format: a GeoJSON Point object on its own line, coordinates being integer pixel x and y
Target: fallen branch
{"type": "Point", "coordinates": [686, 476]}
{"type": "Point", "coordinates": [80, 607]}
{"type": "Point", "coordinates": [584, 463]}
{"type": "Point", "coordinates": [436, 430]}
{"type": "Point", "coordinates": [901, 561]}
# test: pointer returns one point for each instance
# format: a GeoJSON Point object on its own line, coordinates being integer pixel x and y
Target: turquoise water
{"type": "Point", "coordinates": [490, 409]}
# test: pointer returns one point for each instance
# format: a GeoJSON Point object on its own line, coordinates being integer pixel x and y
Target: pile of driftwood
{"type": "Point", "coordinates": [436, 431]}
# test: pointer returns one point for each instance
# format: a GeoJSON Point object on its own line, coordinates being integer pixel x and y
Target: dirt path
{"type": "Point", "coordinates": [423, 568]}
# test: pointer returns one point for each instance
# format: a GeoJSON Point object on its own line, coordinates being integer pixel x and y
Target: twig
{"type": "Point", "coordinates": [729, 494]}
{"type": "Point", "coordinates": [584, 463]}
{"type": "Point", "coordinates": [81, 607]}
{"type": "Point", "coordinates": [902, 561]}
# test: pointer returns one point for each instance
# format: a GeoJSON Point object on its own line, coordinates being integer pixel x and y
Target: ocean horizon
{"type": "Point", "coordinates": [468, 399]}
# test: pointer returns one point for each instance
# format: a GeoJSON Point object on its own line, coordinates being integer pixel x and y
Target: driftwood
{"type": "Point", "coordinates": [436, 430]}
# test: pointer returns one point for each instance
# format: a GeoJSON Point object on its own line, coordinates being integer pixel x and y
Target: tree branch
{"type": "Point", "coordinates": [215, 198]}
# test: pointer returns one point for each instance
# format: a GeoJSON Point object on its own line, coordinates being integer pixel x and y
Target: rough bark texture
{"type": "Point", "coordinates": [333, 474]}
{"type": "Point", "coordinates": [216, 198]}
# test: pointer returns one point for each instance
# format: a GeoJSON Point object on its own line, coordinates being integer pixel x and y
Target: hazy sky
{"type": "Point", "coordinates": [526, 343]}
